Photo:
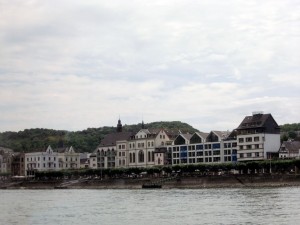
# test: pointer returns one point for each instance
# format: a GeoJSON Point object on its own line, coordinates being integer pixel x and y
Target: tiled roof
{"type": "Point", "coordinates": [111, 139]}
{"type": "Point", "coordinates": [291, 146]}
{"type": "Point", "coordinates": [254, 121]}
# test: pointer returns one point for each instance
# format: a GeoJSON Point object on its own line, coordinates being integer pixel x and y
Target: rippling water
{"type": "Point", "coordinates": [143, 207]}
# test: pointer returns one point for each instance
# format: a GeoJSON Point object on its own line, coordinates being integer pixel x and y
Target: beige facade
{"type": "Point", "coordinates": [142, 146]}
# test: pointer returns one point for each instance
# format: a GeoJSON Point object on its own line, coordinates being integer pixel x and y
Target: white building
{"type": "Point", "coordinates": [258, 137]}
{"type": "Point", "coordinates": [41, 161]}
{"type": "Point", "coordinates": [289, 150]}
{"type": "Point", "coordinates": [51, 160]}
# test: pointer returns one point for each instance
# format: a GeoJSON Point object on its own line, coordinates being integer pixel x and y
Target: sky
{"type": "Point", "coordinates": [71, 65]}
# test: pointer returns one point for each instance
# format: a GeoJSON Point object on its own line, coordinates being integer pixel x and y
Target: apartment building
{"type": "Point", "coordinates": [200, 147]}
{"type": "Point", "coordinates": [258, 137]}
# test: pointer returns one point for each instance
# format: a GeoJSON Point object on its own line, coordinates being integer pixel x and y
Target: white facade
{"type": "Point", "coordinates": [51, 161]}
{"type": "Point", "coordinates": [92, 161]}
{"type": "Point", "coordinates": [41, 161]}
{"type": "Point", "coordinates": [106, 157]}
{"type": "Point", "coordinates": [258, 137]}
{"type": "Point", "coordinates": [251, 147]}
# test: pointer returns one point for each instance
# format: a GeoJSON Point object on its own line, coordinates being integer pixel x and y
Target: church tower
{"type": "Point", "coordinates": [143, 125]}
{"type": "Point", "coordinates": [119, 126]}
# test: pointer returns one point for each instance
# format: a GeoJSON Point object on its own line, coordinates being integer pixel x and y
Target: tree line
{"type": "Point", "coordinates": [266, 166]}
{"type": "Point", "coordinates": [83, 141]}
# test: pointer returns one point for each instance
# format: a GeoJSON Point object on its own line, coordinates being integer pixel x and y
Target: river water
{"type": "Point", "coordinates": [145, 207]}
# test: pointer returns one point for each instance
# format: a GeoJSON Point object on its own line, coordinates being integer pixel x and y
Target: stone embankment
{"type": "Point", "coordinates": [223, 181]}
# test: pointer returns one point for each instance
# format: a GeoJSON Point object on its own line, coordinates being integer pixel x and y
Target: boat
{"type": "Point", "coordinates": [151, 186]}
{"type": "Point", "coordinates": [60, 187]}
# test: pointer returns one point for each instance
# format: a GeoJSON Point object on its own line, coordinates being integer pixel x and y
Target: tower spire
{"type": "Point", "coordinates": [143, 125]}
{"type": "Point", "coordinates": [119, 126]}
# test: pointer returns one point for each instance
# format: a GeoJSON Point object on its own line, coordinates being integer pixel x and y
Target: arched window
{"type": "Point", "coordinates": [133, 157]}
{"type": "Point", "coordinates": [130, 157]}
{"type": "Point", "coordinates": [141, 156]}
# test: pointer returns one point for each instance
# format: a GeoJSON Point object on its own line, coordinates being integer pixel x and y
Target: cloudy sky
{"type": "Point", "coordinates": [77, 64]}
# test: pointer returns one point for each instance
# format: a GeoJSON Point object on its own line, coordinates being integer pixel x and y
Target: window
{"type": "Point", "coordinates": [256, 154]}
{"type": "Point", "coordinates": [256, 138]}
{"type": "Point", "coordinates": [208, 146]}
{"type": "Point", "coordinates": [241, 155]}
{"type": "Point", "coordinates": [249, 139]}
{"type": "Point", "coordinates": [141, 156]}
{"type": "Point", "coordinates": [199, 153]}
{"type": "Point", "coordinates": [256, 146]}
{"type": "Point", "coordinates": [249, 146]}
{"type": "Point", "coordinates": [241, 140]}
{"type": "Point", "coordinates": [248, 155]}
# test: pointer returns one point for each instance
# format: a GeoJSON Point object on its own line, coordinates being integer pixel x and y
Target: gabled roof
{"type": "Point", "coordinates": [198, 137]}
{"type": "Point", "coordinates": [185, 139]}
{"type": "Point", "coordinates": [111, 139]}
{"type": "Point", "coordinates": [65, 149]}
{"type": "Point", "coordinates": [187, 136]}
{"type": "Point", "coordinates": [221, 134]}
{"type": "Point", "coordinates": [202, 134]}
{"type": "Point", "coordinates": [290, 146]}
{"type": "Point", "coordinates": [256, 121]}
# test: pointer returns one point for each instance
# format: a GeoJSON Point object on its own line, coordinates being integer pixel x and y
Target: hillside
{"type": "Point", "coordinates": [84, 141]}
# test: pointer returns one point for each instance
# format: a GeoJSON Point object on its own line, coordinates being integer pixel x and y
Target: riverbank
{"type": "Point", "coordinates": [224, 181]}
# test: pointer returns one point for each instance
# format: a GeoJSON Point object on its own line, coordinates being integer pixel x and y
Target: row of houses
{"type": "Point", "coordinates": [256, 138]}
{"type": "Point", "coordinates": [26, 164]}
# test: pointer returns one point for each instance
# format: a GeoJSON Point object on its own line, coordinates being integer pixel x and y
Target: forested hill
{"type": "Point", "coordinates": [83, 141]}
{"type": "Point", "coordinates": [290, 127]}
